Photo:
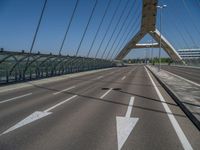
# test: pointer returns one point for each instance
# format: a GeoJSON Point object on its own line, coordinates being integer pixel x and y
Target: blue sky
{"type": "Point", "coordinates": [19, 19]}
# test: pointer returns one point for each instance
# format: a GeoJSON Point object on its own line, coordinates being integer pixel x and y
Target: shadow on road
{"type": "Point", "coordinates": [115, 102]}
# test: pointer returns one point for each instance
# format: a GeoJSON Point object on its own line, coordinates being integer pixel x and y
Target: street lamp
{"type": "Point", "coordinates": [151, 51]}
{"type": "Point", "coordinates": [148, 47]}
{"type": "Point", "coordinates": [160, 7]}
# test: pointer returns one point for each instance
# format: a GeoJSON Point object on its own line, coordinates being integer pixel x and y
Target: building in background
{"type": "Point", "coordinates": [190, 56]}
{"type": "Point", "coordinates": [189, 53]}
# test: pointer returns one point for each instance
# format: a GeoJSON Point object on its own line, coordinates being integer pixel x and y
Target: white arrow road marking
{"type": "Point", "coordinates": [125, 125]}
{"type": "Point", "coordinates": [106, 93]}
{"type": "Point", "coordinates": [14, 98]}
{"type": "Point", "coordinates": [64, 90]}
{"type": "Point", "coordinates": [35, 116]}
{"type": "Point", "coordinates": [183, 139]}
{"type": "Point", "coordinates": [124, 77]}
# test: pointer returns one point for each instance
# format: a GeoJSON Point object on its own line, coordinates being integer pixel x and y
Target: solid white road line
{"type": "Point", "coordinates": [183, 78]}
{"type": "Point", "coordinates": [183, 139]}
{"type": "Point", "coordinates": [124, 77]}
{"type": "Point", "coordinates": [125, 125]}
{"type": "Point", "coordinates": [64, 90]}
{"type": "Point", "coordinates": [106, 93]}
{"type": "Point", "coordinates": [14, 98]}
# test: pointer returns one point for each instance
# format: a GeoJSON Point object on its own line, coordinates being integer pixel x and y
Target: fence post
{"type": "Point", "coordinates": [7, 77]}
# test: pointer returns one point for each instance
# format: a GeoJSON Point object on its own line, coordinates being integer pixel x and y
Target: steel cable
{"type": "Point", "coordinates": [99, 27]}
{"type": "Point", "coordinates": [131, 30]}
{"type": "Point", "coordinates": [35, 34]}
{"type": "Point", "coordinates": [93, 9]}
{"type": "Point", "coordinates": [109, 25]}
{"type": "Point", "coordinates": [128, 37]}
{"type": "Point", "coordinates": [126, 29]}
{"type": "Point", "coordinates": [120, 30]}
{"type": "Point", "coordinates": [173, 24]}
{"type": "Point", "coordinates": [68, 27]}
{"type": "Point", "coordinates": [119, 20]}
{"type": "Point", "coordinates": [190, 14]}
{"type": "Point", "coordinates": [185, 28]}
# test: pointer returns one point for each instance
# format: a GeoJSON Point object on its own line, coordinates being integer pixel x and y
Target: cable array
{"type": "Point", "coordinates": [124, 22]}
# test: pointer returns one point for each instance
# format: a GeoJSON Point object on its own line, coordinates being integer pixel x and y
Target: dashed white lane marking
{"type": "Point", "coordinates": [64, 90]}
{"type": "Point", "coordinates": [49, 109]}
{"type": "Point", "coordinates": [107, 92]}
{"type": "Point", "coordinates": [49, 80]}
{"type": "Point", "coordinates": [130, 106]}
{"type": "Point", "coordinates": [183, 139]}
{"type": "Point", "coordinates": [99, 77]}
{"type": "Point", "coordinates": [14, 98]}
{"type": "Point", "coordinates": [124, 77]}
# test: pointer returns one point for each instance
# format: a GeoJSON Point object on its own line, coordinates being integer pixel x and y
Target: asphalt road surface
{"type": "Point", "coordinates": [121, 108]}
{"type": "Point", "coordinates": [191, 74]}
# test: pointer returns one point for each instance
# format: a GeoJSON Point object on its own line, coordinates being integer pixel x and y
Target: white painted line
{"type": "Point", "coordinates": [49, 109]}
{"type": "Point", "coordinates": [112, 72]}
{"type": "Point", "coordinates": [183, 139]}
{"type": "Point", "coordinates": [183, 78]}
{"type": "Point", "coordinates": [14, 98]}
{"type": "Point", "coordinates": [106, 93]}
{"type": "Point", "coordinates": [125, 125]}
{"type": "Point", "coordinates": [131, 71]}
{"type": "Point", "coordinates": [100, 77]}
{"type": "Point", "coordinates": [35, 116]}
{"type": "Point", "coordinates": [49, 80]}
{"type": "Point", "coordinates": [124, 77]}
{"type": "Point", "coordinates": [31, 118]}
{"type": "Point", "coordinates": [130, 106]}
{"type": "Point", "coordinates": [64, 90]}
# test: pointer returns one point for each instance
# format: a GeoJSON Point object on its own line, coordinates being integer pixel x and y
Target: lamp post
{"type": "Point", "coordinates": [147, 47]}
{"type": "Point", "coordinates": [152, 51]}
{"type": "Point", "coordinates": [160, 7]}
{"type": "Point", "coordinates": [150, 42]}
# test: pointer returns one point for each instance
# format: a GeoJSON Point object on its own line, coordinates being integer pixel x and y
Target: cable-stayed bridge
{"type": "Point", "coordinates": [75, 96]}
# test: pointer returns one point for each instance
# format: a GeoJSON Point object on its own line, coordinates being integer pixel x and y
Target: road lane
{"type": "Point", "coordinates": [185, 72]}
{"type": "Point", "coordinates": [89, 120]}
{"type": "Point", "coordinates": [15, 98]}
{"type": "Point", "coordinates": [53, 87]}
{"type": "Point", "coordinates": [38, 101]}
{"type": "Point", "coordinates": [57, 82]}
{"type": "Point", "coordinates": [78, 105]}
{"type": "Point", "coordinates": [149, 110]}
{"type": "Point", "coordinates": [183, 139]}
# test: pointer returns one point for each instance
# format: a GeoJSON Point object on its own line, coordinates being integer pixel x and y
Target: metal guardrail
{"type": "Point", "coordinates": [14, 66]}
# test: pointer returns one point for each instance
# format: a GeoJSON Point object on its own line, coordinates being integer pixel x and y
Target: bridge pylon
{"type": "Point", "coordinates": [148, 26]}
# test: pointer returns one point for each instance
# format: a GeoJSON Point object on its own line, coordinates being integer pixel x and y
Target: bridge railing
{"type": "Point", "coordinates": [22, 66]}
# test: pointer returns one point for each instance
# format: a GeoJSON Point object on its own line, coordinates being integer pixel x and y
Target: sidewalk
{"type": "Point", "coordinates": [185, 93]}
